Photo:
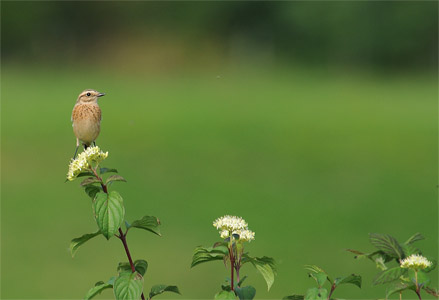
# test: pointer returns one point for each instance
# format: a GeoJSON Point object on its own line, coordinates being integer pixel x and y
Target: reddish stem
{"type": "Point", "coordinates": [232, 267]}
{"type": "Point", "coordinates": [121, 235]}
{"type": "Point", "coordinates": [332, 290]}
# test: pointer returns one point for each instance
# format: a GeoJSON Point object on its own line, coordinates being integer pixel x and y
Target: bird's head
{"type": "Point", "coordinates": [89, 96]}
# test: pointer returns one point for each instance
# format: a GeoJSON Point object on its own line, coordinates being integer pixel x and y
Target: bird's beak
{"type": "Point", "coordinates": [101, 94]}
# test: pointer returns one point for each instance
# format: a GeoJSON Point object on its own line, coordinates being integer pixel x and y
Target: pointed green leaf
{"type": "Point", "coordinates": [389, 275]}
{"type": "Point", "coordinates": [202, 254]}
{"type": "Point", "coordinates": [409, 249]}
{"type": "Point", "coordinates": [128, 286]}
{"type": "Point", "coordinates": [432, 291]}
{"type": "Point", "coordinates": [161, 288]}
{"type": "Point", "coordinates": [114, 178]}
{"type": "Point", "coordinates": [90, 180]}
{"type": "Point", "coordinates": [320, 278]}
{"type": "Point", "coordinates": [265, 265]}
{"type": "Point", "coordinates": [148, 223]}
{"type": "Point", "coordinates": [92, 190]}
{"type": "Point", "coordinates": [316, 294]}
{"type": "Point", "coordinates": [388, 244]}
{"type": "Point", "coordinates": [246, 292]}
{"type": "Point", "coordinates": [77, 242]}
{"type": "Point", "coordinates": [316, 269]}
{"type": "Point", "coordinates": [140, 266]}
{"type": "Point", "coordinates": [225, 295]}
{"type": "Point", "coordinates": [97, 289]}
{"type": "Point", "coordinates": [352, 279]}
{"type": "Point", "coordinates": [109, 212]}
{"type": "Point", "coordinates": [241, 281]}
{"type": "Point", "coordinates": [414, 238]}
{"type": "Point", "coordinates": [124, 267]}
{"type": "Point", "coordinates": [87, 173]}
{"type": "Point", "coordinates": [107, 170]}
{"type": "Point", "coordinates": [397, 287]}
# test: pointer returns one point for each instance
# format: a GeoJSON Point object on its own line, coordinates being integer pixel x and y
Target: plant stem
{"type": "Point", "coordinates": [418, 288]}
{"type": "Point", "coordinates": [232, 267]}
{"type": "Point", "coordinates": [237, 273]}
{"type": "Point", "coordinates": [332, 290]}
{"type": "Point", "coordinates": [121, 236]}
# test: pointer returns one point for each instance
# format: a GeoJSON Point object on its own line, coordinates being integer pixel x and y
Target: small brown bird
{"type": "Point", "coordinates": [86, 118]}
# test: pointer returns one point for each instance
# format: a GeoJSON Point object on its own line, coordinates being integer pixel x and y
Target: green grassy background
{"type": "Point", "coordinates": [314, 160]}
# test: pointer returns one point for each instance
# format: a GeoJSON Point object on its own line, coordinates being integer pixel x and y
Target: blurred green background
{"type": "Point", "coordinates": [314, 121]}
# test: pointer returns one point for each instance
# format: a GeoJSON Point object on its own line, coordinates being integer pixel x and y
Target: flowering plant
{"type": "Point", "coordinates": [109, 213]}
{"type": "Point", "coordinates": [234, 233]}
{"type": "Point", "coordinates": [410, 268]}
{"type": "Point", "coordinates": [321, 277]}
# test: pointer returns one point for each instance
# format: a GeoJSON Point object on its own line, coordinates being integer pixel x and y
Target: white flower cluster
{"type": "Point", "coordinates": [415, 262]}
{"type": "Point", "coordinates": [229, 225]}
{"type": "Point", "coordinates": [84, 160]}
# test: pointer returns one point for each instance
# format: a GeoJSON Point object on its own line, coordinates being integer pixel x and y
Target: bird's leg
{"type": "Point", "coordinates": [77, 146]}
{"type": "Point", "coordinates": [94, 143]}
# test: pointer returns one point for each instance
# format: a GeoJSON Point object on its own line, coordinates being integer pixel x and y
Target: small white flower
{"type": "Point", "coordinates": [245, 235]}
{"type": "Point", "coordinates": [84, 160]}
{"type": "Point", "coordinates": [230, 223]}
{"type": "Point", "coordinates": [415, 262]}
{"type": "Point", "coordinates": [225, 234]}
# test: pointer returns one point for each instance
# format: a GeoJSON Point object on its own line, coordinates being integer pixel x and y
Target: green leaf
{"type": "Point", "coordinates": [92, 190]}
{"type": "Point", "coordinates": [114, 178]}
{"type": "Point", "coordinates": [109, 212]}
{"type": "Point", "coordinates": [246, 292]}
{"type": "Point", "coordinates": [409, 250]}
{"type": "Point", "coordinates": [124, 267]}
{"type": "Point", "coordinates": [414, 238]}
{"type": "Point", "coordinates": [202, 254]}
{"type": "Point", "coordinates": [161, 288]}
{"type": "Point", "coordinates": [241, 281]}
{"type": "Point", "coordinates": [265, 265]}
{"type": "Point", "coordinates": [423, 278]}
{"type": "Point", "coordinates": [432, 267]}
{"type": "Point", "coordinates": [148, 223]}
{"type": "Point", "coordinates": [90, 180]}
{"type": "Point", "coordinates": [294, 297]}
{"type": "Point", "coordinates": [107, 170]}
{"type": "Point", "coordinates": [77, 242]}
{"type": "Point", "coordinates": [389, 275]}
{"type": "Point", "coordinates": [316, 269]}
{"type": "Point", "coordinates": [97, 289]}
{"type": "Point", "coordinates": [397, 287]}
{"type": "Point", "coordinates": [225, 295]}
{"type": "Point", "coordinates": [432, 291]}
{"type": "Point", "coordinates": [87, 173]}
{"type": "Point", "coordinates": [226, 287]}
{"type": "Point", "coordinates": [352, 279]}
{"type": "Point", "coordinates": [140, 266]}
{"type": "Point", "coordinates": [388, 244]}
{"type": "Point", "coordinates": [320, 278]}
{"type": "Point", "coordinates": [316, 294]}
{"type": "Point", "coordinates": [128, 286]}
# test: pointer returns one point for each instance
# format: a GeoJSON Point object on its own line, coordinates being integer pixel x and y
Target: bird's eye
{"type": "Point", "coordinates": [88, 94]}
